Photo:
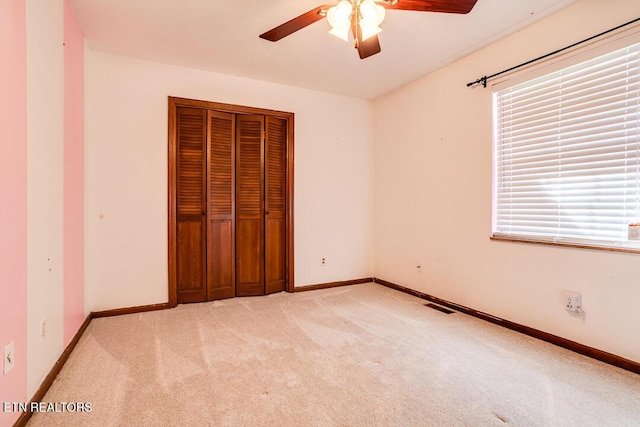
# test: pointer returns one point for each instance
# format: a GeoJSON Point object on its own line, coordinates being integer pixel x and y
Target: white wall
{"type": "Point", "coordinates": [126, 175]}
{"type": "Point", "coordinates": [45, 105]}
{"type": "Point", "coordinates": [433, 177]}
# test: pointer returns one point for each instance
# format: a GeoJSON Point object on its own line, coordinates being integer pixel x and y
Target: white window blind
{"type": "Point", "coordinates": [567, 153]}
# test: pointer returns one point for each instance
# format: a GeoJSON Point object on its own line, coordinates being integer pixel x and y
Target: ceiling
{"type": "Point", "coordinates": [222, 36]}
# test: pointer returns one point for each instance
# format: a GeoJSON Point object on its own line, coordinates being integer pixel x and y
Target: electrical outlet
{"type": "Point", "coordinates": [573, 301]}
{"type": "Point", "coordinates": [324, 261]}
{"type": "Point", "coordinates": [9, 359]}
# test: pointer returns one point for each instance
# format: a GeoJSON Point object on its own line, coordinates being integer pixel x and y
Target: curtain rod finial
{"type": "Point", "coordinates": [481, 80]}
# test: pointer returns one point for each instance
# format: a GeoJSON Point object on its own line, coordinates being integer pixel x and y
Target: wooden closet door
{"type": "Point", "coordinates": [249, 205]}
{"type": "Point", "coordinates": [221, 191]}
{"type": "Point", "coordinates": [275, 181]}
{"type": "Point", "coordinates": [191, 198]}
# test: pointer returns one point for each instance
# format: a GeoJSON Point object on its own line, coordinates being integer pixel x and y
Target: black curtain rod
{"type": "Point", "coordinates": [483, 80]}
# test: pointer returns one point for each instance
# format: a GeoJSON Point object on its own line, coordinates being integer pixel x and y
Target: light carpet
{"type": "Point", "coordinates": [361, 355]}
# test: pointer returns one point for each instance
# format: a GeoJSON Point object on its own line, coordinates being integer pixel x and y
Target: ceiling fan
{"type": "Point", "coordinates": [363, 18]}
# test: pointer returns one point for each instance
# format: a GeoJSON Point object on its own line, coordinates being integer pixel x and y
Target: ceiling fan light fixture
{"type": "Point", "coordinates": [368, 9]}
{"type": "Point", "coordinates": [340, 14]}
{"type": "Point", "coordinates": [341, 33]}
{"type": "Point", "coordinates": [371, 16]}
{"type": "Point", "coordinates": [339, 17]}
{"type": "Point", "coordinates": [369, 31]}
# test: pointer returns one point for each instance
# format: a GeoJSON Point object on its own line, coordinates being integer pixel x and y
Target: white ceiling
{"type": "Point", "coordinates": [222, 36]}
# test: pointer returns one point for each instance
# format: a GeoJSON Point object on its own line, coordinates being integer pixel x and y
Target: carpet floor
{"type": "Point", "coordinates": [361, 355]}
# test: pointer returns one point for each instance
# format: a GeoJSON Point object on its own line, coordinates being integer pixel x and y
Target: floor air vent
{"type": "Point", "coordinates": [442, 309]}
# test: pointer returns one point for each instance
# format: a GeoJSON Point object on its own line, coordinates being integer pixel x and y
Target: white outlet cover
{"type": "Point", "coordinates": [573, 301]}
{"type": "Point", "coordinates": [9, 359]}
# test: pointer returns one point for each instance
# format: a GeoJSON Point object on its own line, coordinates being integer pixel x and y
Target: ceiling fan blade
{"type": "Point", "coordinates": [297, 23]}
{"type": "Point", "coordinates": [444, 6]}
{"type": "Point", "coordinates": [368, 47]}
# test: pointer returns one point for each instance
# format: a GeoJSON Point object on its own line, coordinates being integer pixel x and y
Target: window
{"type": "Point", "coordinates": [567, 154]}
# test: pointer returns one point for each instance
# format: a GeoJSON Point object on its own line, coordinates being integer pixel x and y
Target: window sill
{"type": "Point", "coordinates": [565, 244]}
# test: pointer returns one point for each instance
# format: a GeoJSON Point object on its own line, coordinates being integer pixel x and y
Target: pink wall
{"type": "Point", "coordinates": [13, 191]}
{"type": "Point", "coordinates": [13, 196]}
{"type": "Point", "coordinates": [73, 175]}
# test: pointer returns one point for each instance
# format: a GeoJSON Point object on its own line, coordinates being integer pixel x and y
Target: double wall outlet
{"type": "Point", "coordinates": [573, 301]}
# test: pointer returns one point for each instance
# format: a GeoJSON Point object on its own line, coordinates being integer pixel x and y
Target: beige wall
{"type": "Point", "coordinates": [45, 107]}
{"type": "Point", "coordinates": [433, 176]}
{"type": "Point", "coordinates": [126, 175]}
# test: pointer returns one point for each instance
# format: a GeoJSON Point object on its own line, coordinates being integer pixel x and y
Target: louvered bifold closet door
{"type": "Point", "coordinates": [275, 174]}
{"type": "Point", "coordinates": [220, 230]}
{"type": "Point", "coordinates": [249, 205]}
{"type": "Point", "coordinates": [191, 201]}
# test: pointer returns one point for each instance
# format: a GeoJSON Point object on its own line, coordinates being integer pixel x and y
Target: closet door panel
{"type": "Point", "coordinates": [220, 274]}
{"type": "Point", "coordinates": [249, 205]}
{"type": "Point", "coordinates": [191, 199]}
{"type": "Point", "coordinates": [249, 257]}
{"type": "Point", "coordinates": [220, 232]}
{"type": "Point", "coordinates": [190, 255]}
{"type": "Point", "coordinates": [275, 261]}
{"type": "Point", "coordinates": [275, 185]}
